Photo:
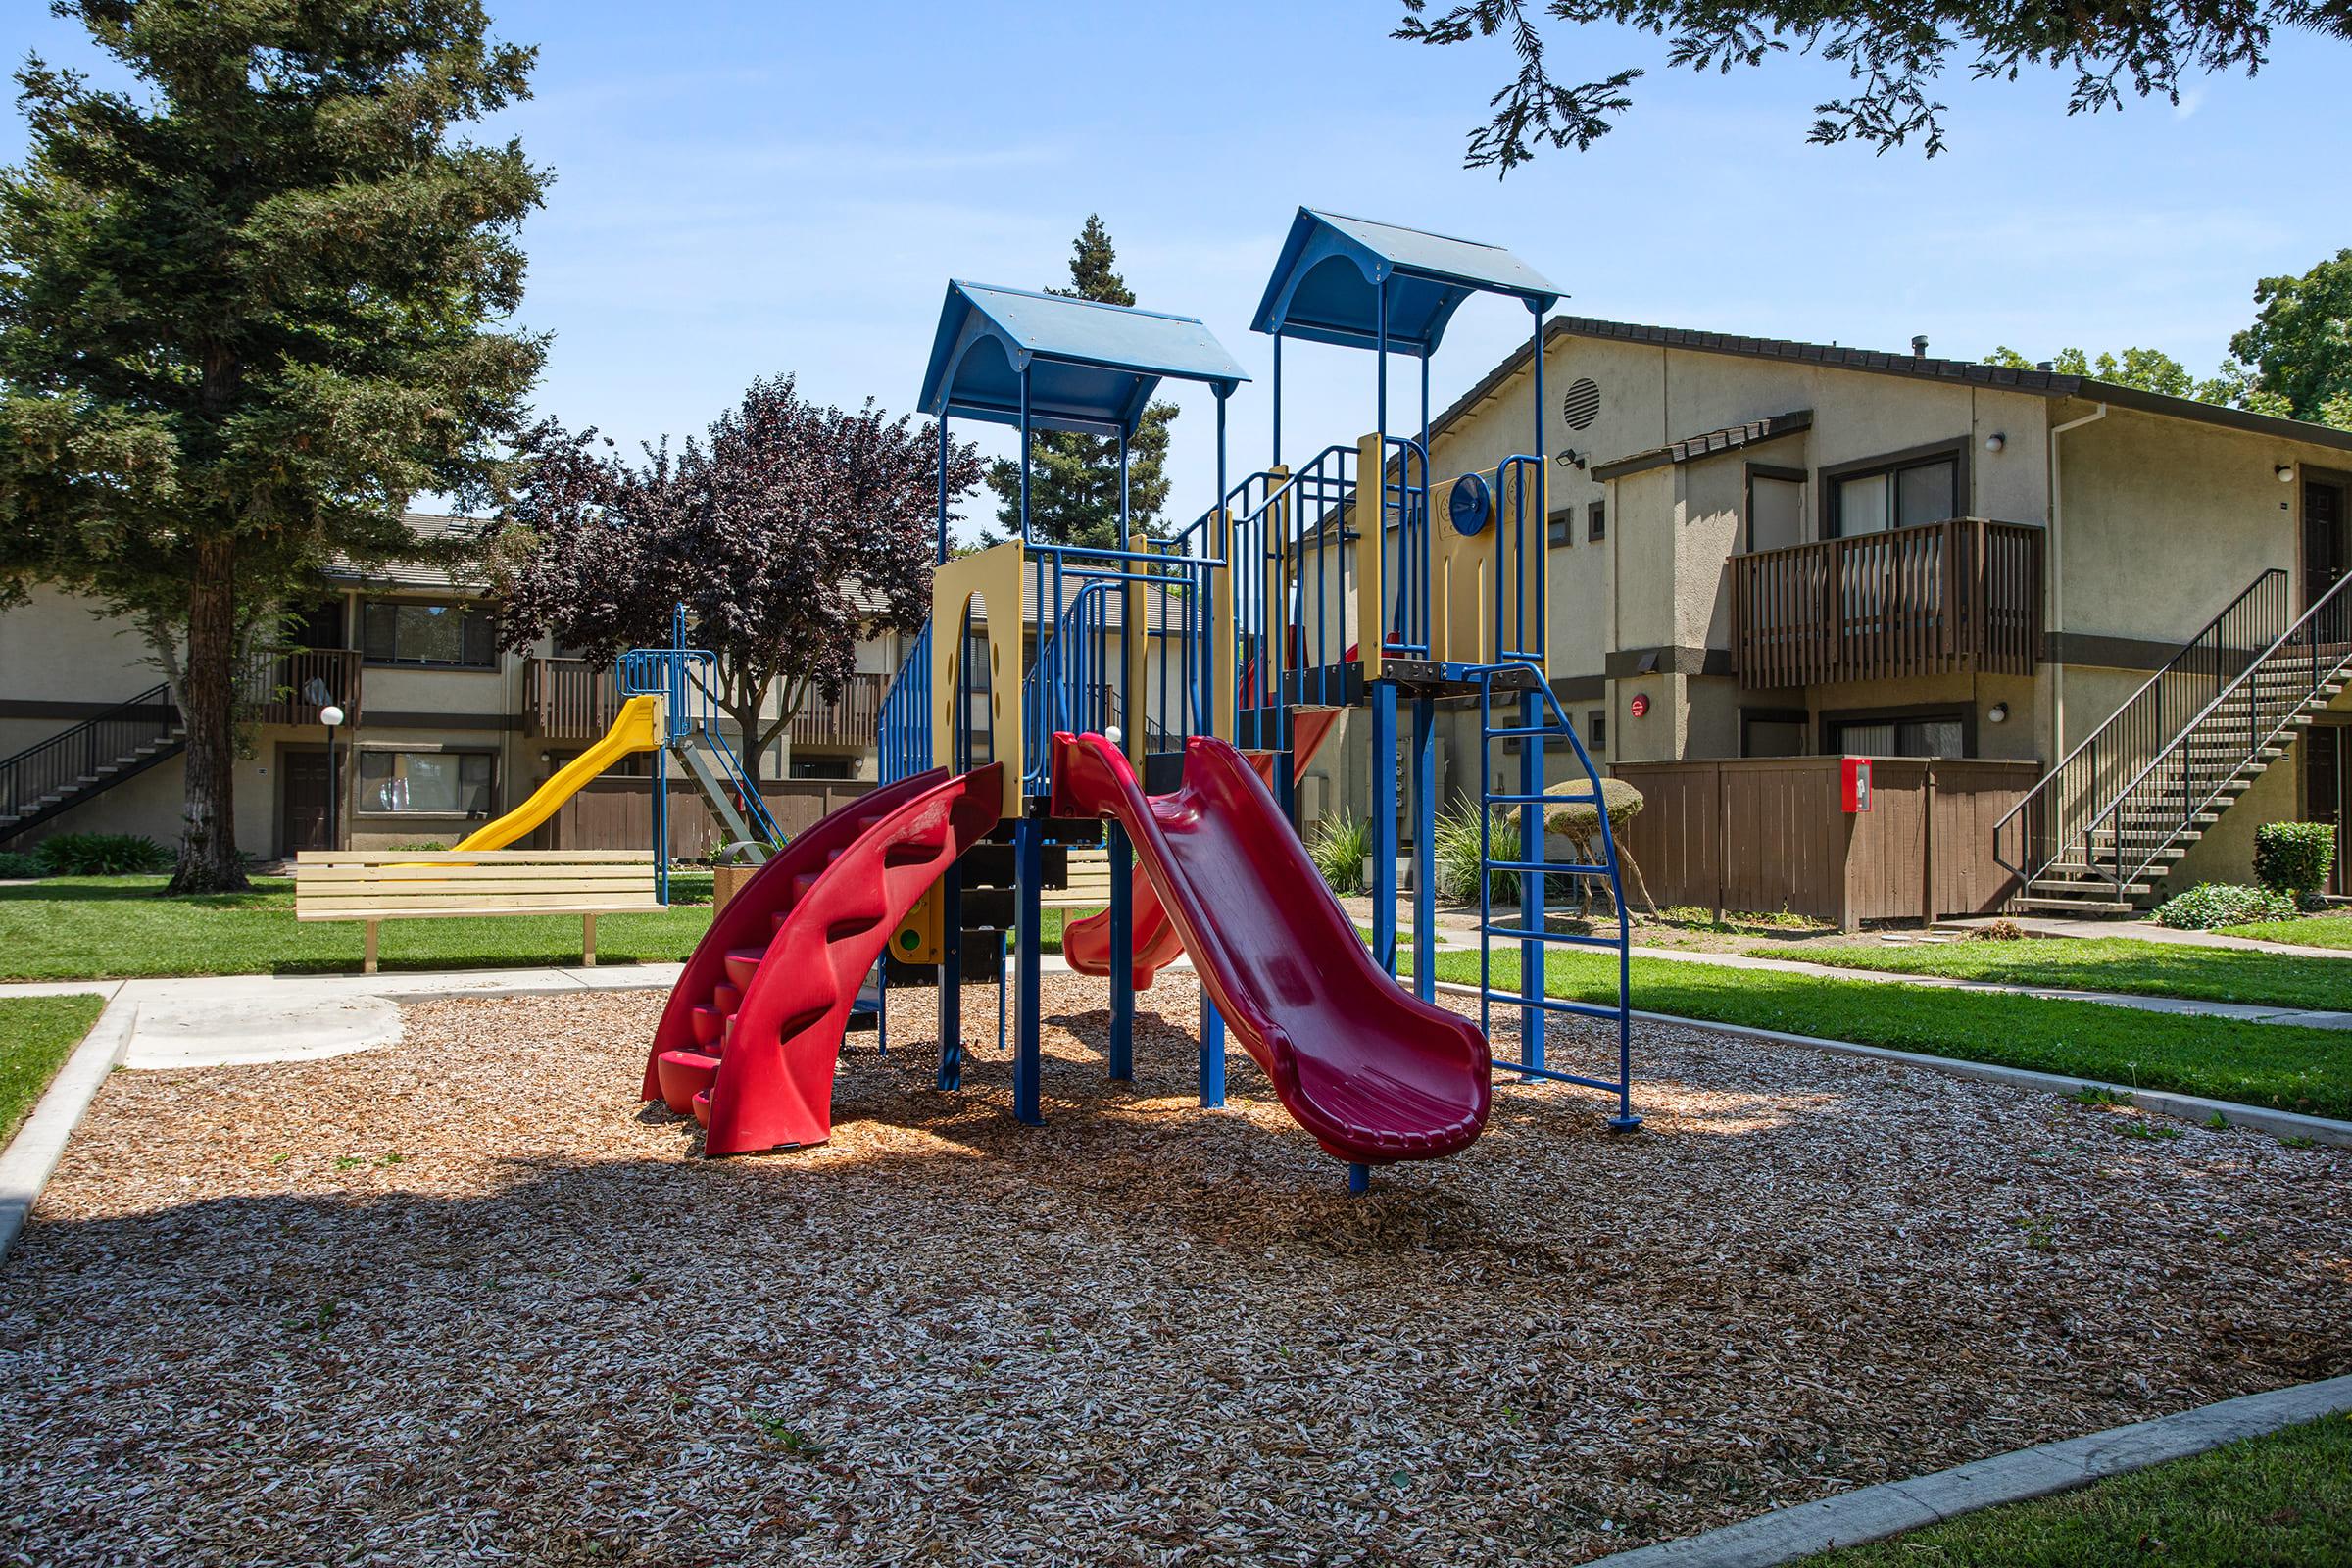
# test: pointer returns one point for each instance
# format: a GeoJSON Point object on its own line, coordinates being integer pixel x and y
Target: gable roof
{"type": "Point", "coordinates": [1728, 439]}
{"type": "Point", "coordinates": [2050, 384]}
{"type": "Point", "coordinates": [426, 526]}
{"type": "Point", "coordinates": [1091, 366]}
{"type": "Point", "coordinates": [1333, 271]}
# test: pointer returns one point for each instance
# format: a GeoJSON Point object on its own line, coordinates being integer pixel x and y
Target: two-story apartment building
{"type": "Point", "coordinates": [443, 727]}
{"type": "Point", "coordinates": [1776, 548]}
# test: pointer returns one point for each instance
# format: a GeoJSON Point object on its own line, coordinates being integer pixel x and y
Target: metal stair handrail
{"type": "Point", "coordinates": [63, 761]}
{"type": "Point", "coordinates": [2246, 621]}
{"type": "Point", "coordinates": [2258, 737]}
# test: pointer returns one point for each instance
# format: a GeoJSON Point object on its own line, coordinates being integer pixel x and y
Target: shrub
{"type": "Point", "coordinates": [1997, 931]}
{"type": "Point", "coordinates": [1456, 859]}
{"type": "Point", "coordinates": [1337, 845]}
{"type": "Point", "coordinates": [416, 845]}
{"type": "Point", "coordinates": [2218, 903]}
{"type": "Point", "coordinates": [14, 866]}
{"type": "Point", "coordinates": [101, 855]}
{"type": "Point", "coordinates": [2294, 857]}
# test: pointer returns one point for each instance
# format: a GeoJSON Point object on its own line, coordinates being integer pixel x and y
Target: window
{"type": "Point", "coordinates": [1561, 530]}
{"type": "Point", "coordinates": [1596, 521]}
{"type": "Point", "coordinates": [1772, 732]}
{"type": "Point", "coordinates": [1596, 729]}
{"type": "Point", "coordinates": [821, 767]}
{"type": "Point", "coordinates": [1937, 735]}
{"type": "Point", "coordinates": [448, 783]}
{"type": "Point", "coordinates": [412, 631]}
{"type": "Point", "coordinates": [1900, 493]}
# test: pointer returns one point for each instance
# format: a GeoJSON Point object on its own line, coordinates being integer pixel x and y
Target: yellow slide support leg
{"type": "Point", "coordinates": [637, 729]}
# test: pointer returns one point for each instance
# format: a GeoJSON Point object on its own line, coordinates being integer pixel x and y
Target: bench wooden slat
{"type": "Point", "coordinates": [487, 903]}
{"type": "Point", "coordinates": [306, 857]}
{"type": "Point", "coordinates": [336, 876]}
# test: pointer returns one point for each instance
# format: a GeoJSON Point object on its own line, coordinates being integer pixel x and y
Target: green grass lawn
{"type": "Point", "coordinates": [2259, 1064]}
{"type": "Point", "coordinates": [2267, 1503]}
{"type": "Point", "coordinates": [89, 928]}
{"type": "Point", "coordinates": [2311, 931]}
{"type": "Point", "coordinates": [2109, 964]}
{"type": "Point", "coordinates": [36, 1034]}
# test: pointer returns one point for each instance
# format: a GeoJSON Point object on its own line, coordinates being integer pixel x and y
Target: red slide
{"type": "Point", "coordinates": [753, 1026]}
{"type": "Point", "coordinates": [1086, 943]}
{"type": "Point", "coordinates": [1375, 1073]}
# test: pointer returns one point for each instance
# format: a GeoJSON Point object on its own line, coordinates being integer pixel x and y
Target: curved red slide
{"type": "Point", "coordinates": [1375, 1073]}
{"type": "Point", "coordinates": [753, 1026]}
{"type": "Point", "coordinates": [1086, 943]}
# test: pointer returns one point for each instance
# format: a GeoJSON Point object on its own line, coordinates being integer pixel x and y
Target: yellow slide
{"type": "Point", "coordinates": [637, 729]}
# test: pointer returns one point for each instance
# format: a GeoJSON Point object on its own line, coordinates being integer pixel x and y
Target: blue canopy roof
{"type": "Point", "coordinates": [1092, 368]}
{"type": "Point", "coordinates": [1327, 287]}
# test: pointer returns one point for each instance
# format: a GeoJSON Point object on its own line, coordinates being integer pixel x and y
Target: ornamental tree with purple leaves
{"type": "Point", "coordinates": [789, 530]}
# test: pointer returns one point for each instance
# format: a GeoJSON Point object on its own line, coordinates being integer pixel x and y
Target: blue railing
{"type": "Point", "coordinates": [1290, 632]}
{"type": "Point", "coordinates": [1405, 503]}
{"type": "Point", "coordinates": [1077, 679]}
{"type": "Point", "coordinates": [903, 732]}
{"type": "Point", "coordinates": [1522, 614]}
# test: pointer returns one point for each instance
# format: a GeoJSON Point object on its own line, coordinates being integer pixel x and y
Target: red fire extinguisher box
{"type": "Point", "coordinates": [1853, 781]}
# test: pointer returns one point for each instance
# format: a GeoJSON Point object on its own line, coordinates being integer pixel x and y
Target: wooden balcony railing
{"type": "Point", "coordinates": [291, 688]}
{"type": "Point", "coordinates": [568, 699]}
{"type": "Point", "coordinates": [852, 721]}
{"type": "Point", "coordinates": [1959, 596]}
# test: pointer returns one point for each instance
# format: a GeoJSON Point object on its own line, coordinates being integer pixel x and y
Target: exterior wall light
{"type": "Point", "coordinates": [2286, 472]}
{"type": "Point", "coordinates": [1997, 713]}
{"type": "Point", "coordinates": [1996, 441]}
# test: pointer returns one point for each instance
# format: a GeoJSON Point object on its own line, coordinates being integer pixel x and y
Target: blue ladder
{"type": "Point", "coordinates": [1539, 722]}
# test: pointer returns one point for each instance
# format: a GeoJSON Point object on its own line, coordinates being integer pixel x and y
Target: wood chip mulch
{"type": "Point", "coordinates": [462, 1299]}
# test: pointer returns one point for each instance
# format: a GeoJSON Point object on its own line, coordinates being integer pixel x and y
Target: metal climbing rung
{"type": "Point", "coordinates": [1553, 1074]}
{"type": "Point", "coordinates": [1583, 1010]}
{"type": "Point", "coordinates": [1578, 938]}
{"type": "Point", "coordinates": [1547, 868]}
{"type": "Point", "coordinates": [1527, 729]}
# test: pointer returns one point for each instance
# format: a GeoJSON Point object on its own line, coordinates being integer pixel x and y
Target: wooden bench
{"type": "Point", "coordinates": [1085, 886]}
{"type": "Point", "coordinates": [381, 885]}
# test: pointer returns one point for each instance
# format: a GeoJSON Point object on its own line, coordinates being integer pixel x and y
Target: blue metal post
{"type": "Point", "coordinates": [1212, 1053]}
{"type": "Point", "coordinates": [942, 546]}
{"type": "Point", "coordinates": [1425, 832]}
{"type": "Point", "coordinates": [1123, 956]}
{"type": "Point", "coordinates": [951, 979]}
{"type": "Point", "coordinates": [1383, 825]}
{"type": "Point", "coordinates": [1028, 1060]}
{"type": "Point", "coordinates": [1360, 1180]}
{"type": "Point", "coordinates": [1025, 463]}
{"type": "Point", "coordinates": [1531, 884]}
{"type": "Point", "coordinates": [662, 820]}
{"type": "Point", "coordinates": [1275, 462]}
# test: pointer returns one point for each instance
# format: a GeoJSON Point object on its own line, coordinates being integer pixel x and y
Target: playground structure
{"type": "Point", "coordinates": [667, 708]}
{"type": "Point", "coordinates": [1157, 699]}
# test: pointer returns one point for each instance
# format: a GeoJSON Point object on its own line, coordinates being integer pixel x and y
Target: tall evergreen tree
{"type": "Point", "coordinates": [246, 310]}
{"type": "Point", "coordinates": [1074, 479]}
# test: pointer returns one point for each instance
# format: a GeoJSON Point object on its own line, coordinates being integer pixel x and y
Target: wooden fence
{"type": "Point", "coordinates": [1769, 834]}
{"type": "Point", "coordinates": [618, 814]}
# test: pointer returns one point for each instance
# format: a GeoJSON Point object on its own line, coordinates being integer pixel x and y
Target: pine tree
{"type": "Point", "coordinates": [248, 309]}
{"type": "Point", "coordinates": [1074, 479]}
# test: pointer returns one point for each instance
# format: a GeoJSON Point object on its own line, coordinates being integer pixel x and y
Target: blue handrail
{"type": "Point", "coordinates": [903, 729]}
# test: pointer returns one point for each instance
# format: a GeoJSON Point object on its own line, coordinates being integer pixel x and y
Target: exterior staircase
{"type": "Point", "coordinates": [2101, 831]}
{"type": "Point", "coordinates": [57, 775]}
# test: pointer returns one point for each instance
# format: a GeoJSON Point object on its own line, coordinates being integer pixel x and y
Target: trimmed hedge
{"type": "Point", "coordinates": [2294, 857]}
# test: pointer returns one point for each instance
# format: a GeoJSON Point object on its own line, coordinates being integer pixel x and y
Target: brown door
{"type": "Point", "coordinates": [2326, 554]}
{"type": "Point", "coordinates": [304, 781]}
{"type": "Point", "coordinates": [2327, 792]}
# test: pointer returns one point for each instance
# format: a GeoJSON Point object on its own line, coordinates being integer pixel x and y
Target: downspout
{"type": "Point", "coordinates": [2058, 580]}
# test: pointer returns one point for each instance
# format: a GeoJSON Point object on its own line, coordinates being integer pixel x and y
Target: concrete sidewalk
{"type": "Point", "coordinates": [218, 1020]}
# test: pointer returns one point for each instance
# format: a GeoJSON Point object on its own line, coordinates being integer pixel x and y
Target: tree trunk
{"type": "Point", "coordinates": [207, 844]}
{"type": "Point", "coordinates": [747, 731]}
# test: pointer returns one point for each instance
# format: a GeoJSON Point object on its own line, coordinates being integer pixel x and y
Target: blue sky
{"type": "Point", "coordinates": [746, 189]}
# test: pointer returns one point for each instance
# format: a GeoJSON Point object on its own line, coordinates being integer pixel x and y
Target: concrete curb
{"type": "Point", "coordinates": [32, 1155]}
{"type": "Point", "coordinates": [2164, 1101]}
{"type": "Point", "coordinates": [1873, 1513]}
